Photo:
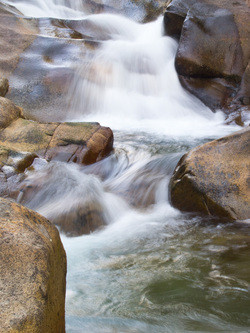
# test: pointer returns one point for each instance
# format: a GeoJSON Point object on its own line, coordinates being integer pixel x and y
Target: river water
{"type": "Point", "coordinates": [152, 268]}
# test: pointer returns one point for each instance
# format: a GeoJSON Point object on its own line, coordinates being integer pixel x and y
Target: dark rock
{"type": "Point", "coordinates": [4, 87]}
{"type": "Point", "coordinates": [8, 112]}
{"type": "Point", "coordinates": [214, 50]}
{"type": "Point", "coordinates": [174, 17]}
{"type": "Point", "coordinates": [83, 219]}
{"type": "Point", "coordinates": [213, 179]}
{"type": "Point", "coordinates": [243, 94]}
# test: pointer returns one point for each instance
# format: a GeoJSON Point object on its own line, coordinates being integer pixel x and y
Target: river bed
{"type": "Point", "coordinates": [152, 268]}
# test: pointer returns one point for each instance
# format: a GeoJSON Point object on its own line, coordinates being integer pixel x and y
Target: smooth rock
{"type": "Point", "coordinates": [214, 50]}
{"type": "Point", "coordinates": [80, 143]}
{"type": "Point", "coordinates": [214, 178]}
{"type": "Point", "coordinates": [83, 143]}
{"type": "Point", "coordinates": [24, 140]}
{"type": "Point", "coordinates": [16, 34]}
{"type": "Point", "coordinates": [66, 196]}
{"type": "Point", "coordinates": [33, 272]}
{"type": "Point", "coordinates": [27, 136]}
{"type": "Point", "coordinates": [83, 219]}
{"type": "Point", "coordinates": [8, 112]}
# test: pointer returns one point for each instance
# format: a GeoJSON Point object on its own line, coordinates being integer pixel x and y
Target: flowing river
{"type": "Point", "coordinates": [152, 269]}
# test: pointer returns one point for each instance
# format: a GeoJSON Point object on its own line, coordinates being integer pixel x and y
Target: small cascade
{"type": "Point", "coordinates": [137, 264]}
{"type": "Point", "coordinates": [63, 9]}
{"type": "Point", "coordinates": [131, 83]}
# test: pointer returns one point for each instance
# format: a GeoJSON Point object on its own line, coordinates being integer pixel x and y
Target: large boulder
{"type": "Point", "coordinates": [22, 141]}
{"type": "Point", "coordinates": [66, 196]}
{"type": "Point", "coordinates": [213, 179]}
{"type": "Point", "coordinates": [83, 143]}
{"type": "Point", "coordinates": [33, 272]}
{"type": "Point", "coordinates": [213, 53]}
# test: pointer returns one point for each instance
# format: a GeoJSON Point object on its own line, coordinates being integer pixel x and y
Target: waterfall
{"type": "Point", "coordinates": [150, 268]}
{"type": "Point", "coordinates": [131, 83]}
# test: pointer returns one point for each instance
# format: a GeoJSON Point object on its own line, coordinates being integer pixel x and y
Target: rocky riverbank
{"type": "Point", "coordinates": [213, 55]}
{"type": "Point", "coordinates": [33, 261]}
{"type": "Point", "coordinates": [212, 63]}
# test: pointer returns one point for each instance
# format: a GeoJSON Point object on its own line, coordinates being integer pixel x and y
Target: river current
{"type": "Point", "coordinates": [152, 269]}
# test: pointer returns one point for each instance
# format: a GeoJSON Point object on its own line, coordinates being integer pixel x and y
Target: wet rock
{"type": "Point", "coordinates": [141, 11]}
{"type": "Point", "coordinates": [66, 196]}
{"type": "Point", "coordinates": [146, 186]}
{"type": "Point", "coordinates": [16, 34]}
{"type": "Point", "coordinates": [42, 79]}
{"type": "Point", "coordinates": [83, 143]}
{"type": "Point", "coordinates": [8, 112]}
{"type": "Point", "coordinates": [12, 166]}
{"type": "Point", "coordinates": [215, 33]}
{"type": "Point", "coordinates": [81, 220]}
{"type": "Point", "coordinates": [22, 141]}
{"type": "Point", "coordinates": [33, 272]}
{"type": "Point", "coordinates": [69, 141]}
{"type": "Point", "coordinates": [243, 94]}
{"type": "Point", "coordinates": [3, 185]}
{"type": "Point", "coordinates": [99, 146]}
{"type": "Point", "coordinates": [174, 17]}
{"type": "Point", "coordinates": [4, 87]}
{"type": "Point", "coordinates": [213, 179]}
{"type": "Point", "coordinates": [213, 53]}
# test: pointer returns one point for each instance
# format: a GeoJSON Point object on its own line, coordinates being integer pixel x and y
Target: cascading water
{"type": "Point", "coordinates": [152, 268]}
{"type": "Point", "coordinates": [53, 8]}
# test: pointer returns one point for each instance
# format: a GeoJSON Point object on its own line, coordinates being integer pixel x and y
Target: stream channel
{"type": "Point", "coordinates": [152, 269]}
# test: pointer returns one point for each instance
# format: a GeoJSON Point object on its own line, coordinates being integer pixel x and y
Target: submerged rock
{"type": "Point", "coordinates": [33, 272]}
{"type": "Point", "coordinates": [16, 34]}
{"type": "Point", "coordinates": [22, 140]}
{"type": "Point", "coordinates": [213, 179]}
{"type": "Point", "coordinates": [213, 53]}
{"type": "Point", "coordinates": [66, 196]}
{"type": "Point", "coordinates": [83, 219]}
